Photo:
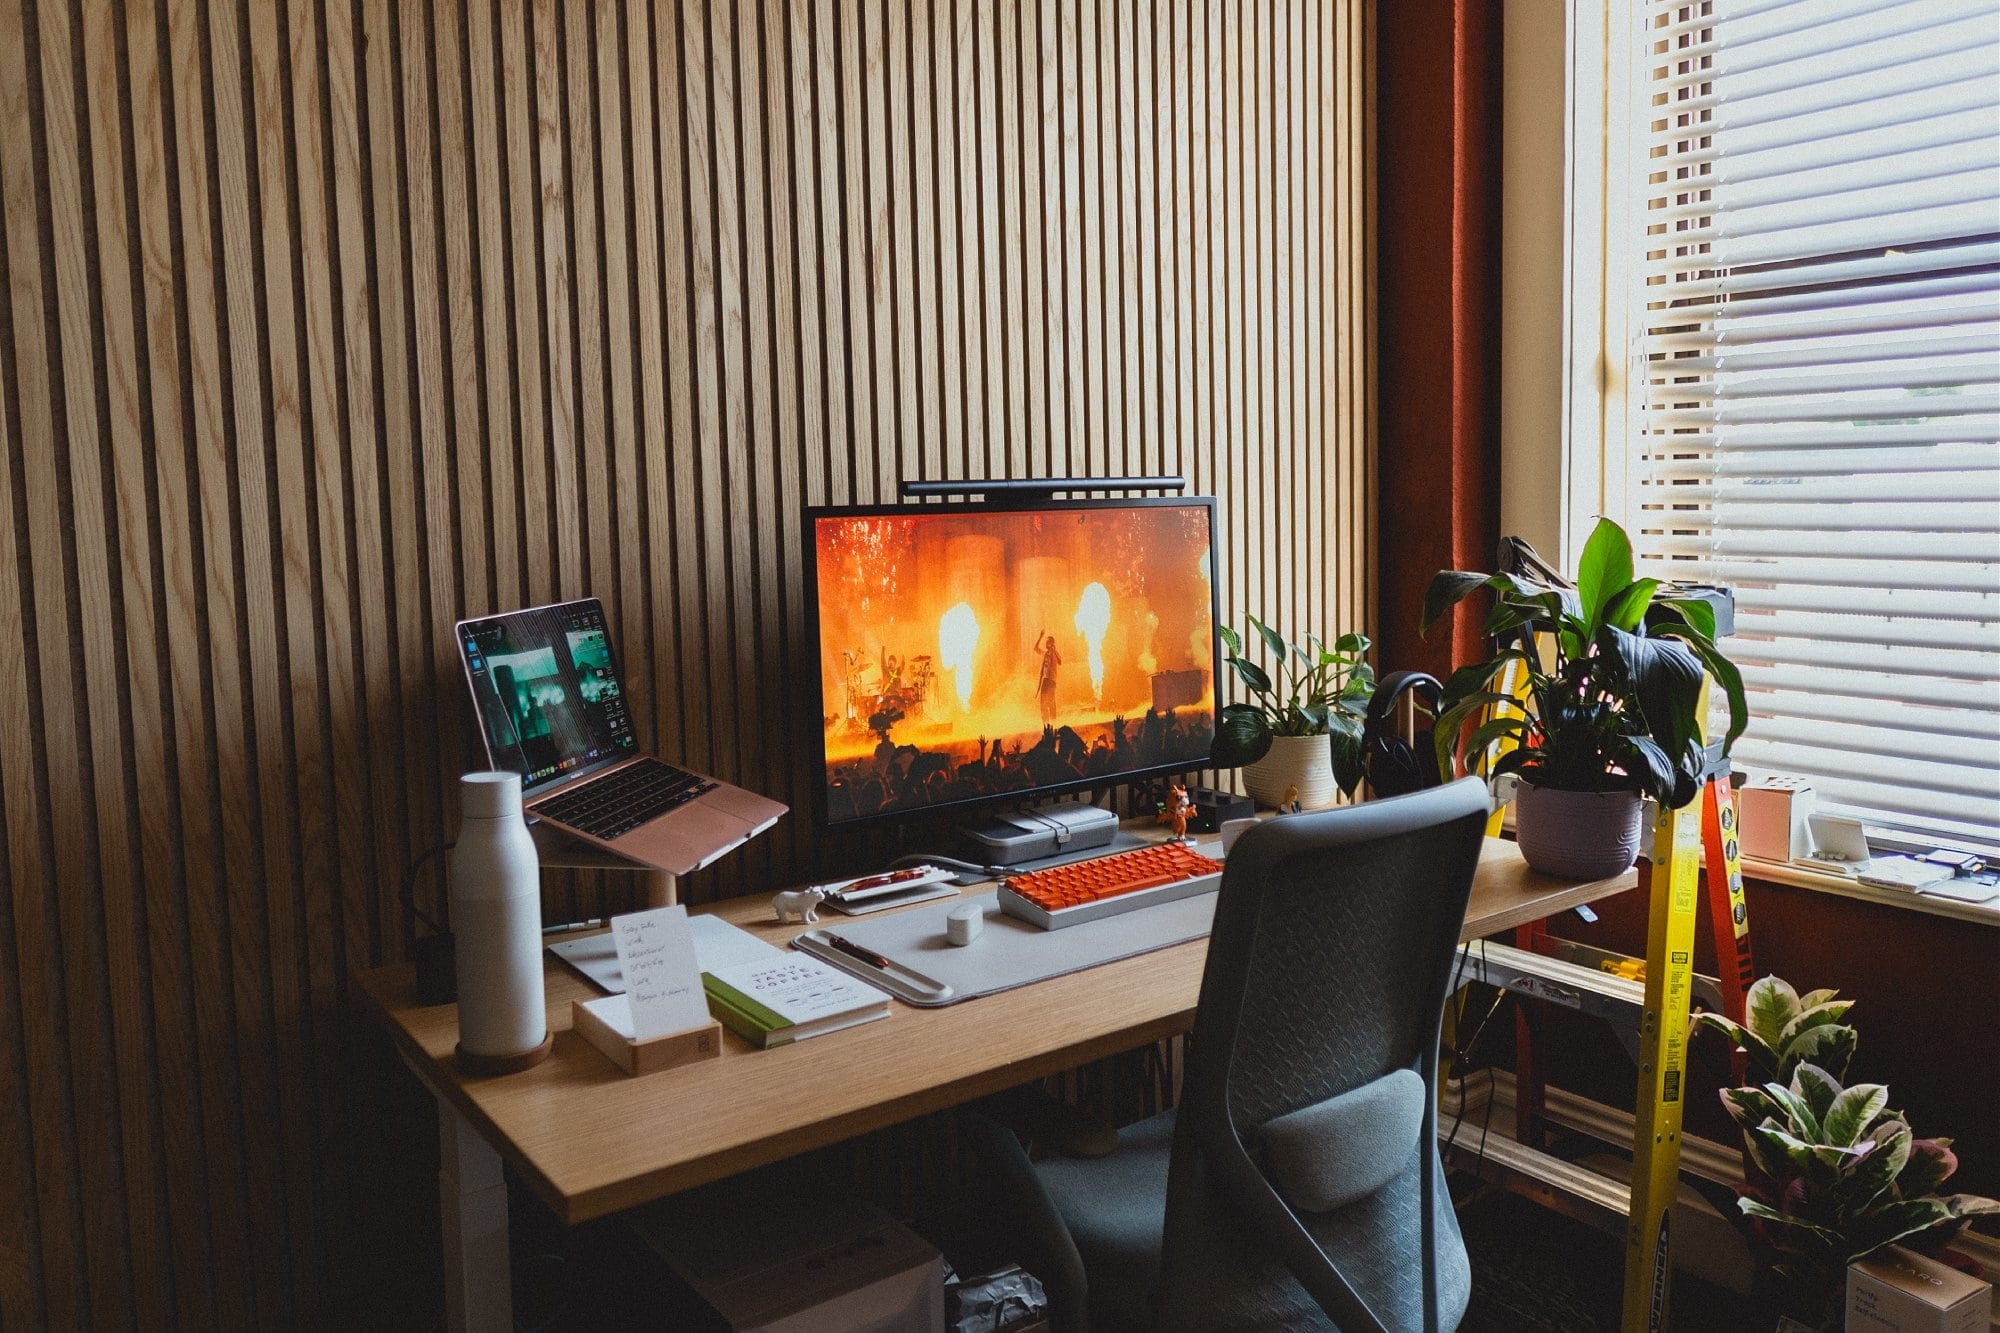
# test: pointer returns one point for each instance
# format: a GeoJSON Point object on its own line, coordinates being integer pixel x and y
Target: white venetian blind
{"type": "Point", "coordinates": [1817, 381]}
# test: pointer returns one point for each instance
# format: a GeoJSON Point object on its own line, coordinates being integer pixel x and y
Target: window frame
{"type": "Point", "coordinates": [1571, 63]}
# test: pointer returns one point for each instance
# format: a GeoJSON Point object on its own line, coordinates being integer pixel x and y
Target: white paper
{"type": "Point", "coordinates": [656, 954]}
{"type": "Point", "coordinates": [717, 944]}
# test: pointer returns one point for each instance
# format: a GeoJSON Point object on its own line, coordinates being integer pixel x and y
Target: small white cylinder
{"type": "Point", "coordinates": [496, 917]}
{"type": "Point", "coordinates": [1232, 829]}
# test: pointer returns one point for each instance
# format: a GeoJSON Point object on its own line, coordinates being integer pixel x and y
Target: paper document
{"type": "Point", "coordinates": [662, 980]}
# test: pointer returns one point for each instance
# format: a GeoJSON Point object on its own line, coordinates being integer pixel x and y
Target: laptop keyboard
{"type": "Point", "coordinates": [622, 800]}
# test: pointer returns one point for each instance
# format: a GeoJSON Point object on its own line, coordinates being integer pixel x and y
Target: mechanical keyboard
{"type": "Point", "coordinates": [1107, 885]}
{"type": "Point", "coordinates": [624, 798]}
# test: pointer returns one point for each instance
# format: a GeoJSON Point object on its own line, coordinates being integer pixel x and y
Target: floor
{"type": "Point", "coordinates": [1534, 1271]}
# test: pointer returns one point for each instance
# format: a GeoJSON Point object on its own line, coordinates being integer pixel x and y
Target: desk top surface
{"type": "Point", "coordinates": [591, 1140]}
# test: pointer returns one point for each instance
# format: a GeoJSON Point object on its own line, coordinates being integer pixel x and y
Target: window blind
{"type": "Point", "coordinates": [1816, 382]}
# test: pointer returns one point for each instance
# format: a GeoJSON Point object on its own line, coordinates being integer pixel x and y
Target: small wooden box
{"type": "Point", "coordinates": [605, 1023]}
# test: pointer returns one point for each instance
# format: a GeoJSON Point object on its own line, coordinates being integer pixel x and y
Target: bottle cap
{"type": "Point", "coordinates": [489, 795]}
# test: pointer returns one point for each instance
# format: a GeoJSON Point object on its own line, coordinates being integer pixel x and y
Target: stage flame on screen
{"type": "Point", "coordinates": [958, 641]}
{"type": "Point", "coordinates": [1093, 618]}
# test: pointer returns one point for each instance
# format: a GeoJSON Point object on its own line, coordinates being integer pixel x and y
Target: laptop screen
{"type": "Point", "coordinates": [546, 691]}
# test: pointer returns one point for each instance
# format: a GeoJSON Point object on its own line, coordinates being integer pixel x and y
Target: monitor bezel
{"type": "Point", "coordinates": [815, 753]}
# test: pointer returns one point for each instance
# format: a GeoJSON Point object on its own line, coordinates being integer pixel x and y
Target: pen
{"type": "Point", "coordinates": [868, 956]}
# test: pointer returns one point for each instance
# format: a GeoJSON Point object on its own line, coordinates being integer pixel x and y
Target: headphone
{"type": "Point", "coordinates": [1396, 767]}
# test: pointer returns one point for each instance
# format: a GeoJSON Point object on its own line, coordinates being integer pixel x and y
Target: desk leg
{"type": "Point", "coordinates": [472, 1198]}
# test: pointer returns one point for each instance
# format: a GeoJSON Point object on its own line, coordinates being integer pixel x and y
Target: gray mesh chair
{"type": "Point", "coordinates": [1299, 1186]}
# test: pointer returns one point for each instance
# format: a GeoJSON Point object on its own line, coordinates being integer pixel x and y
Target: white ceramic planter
{"type": "Point", "coordinates": [1577, 834]}
{"type": "Point", "coordinates": [1305, 762]}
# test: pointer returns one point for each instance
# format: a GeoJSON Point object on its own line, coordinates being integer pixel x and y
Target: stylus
{"type": "Point", "coordinates": [868, 956]}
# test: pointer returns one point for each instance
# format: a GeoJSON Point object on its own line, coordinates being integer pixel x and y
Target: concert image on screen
{"type": "Point", "coordinates": [969, 653]}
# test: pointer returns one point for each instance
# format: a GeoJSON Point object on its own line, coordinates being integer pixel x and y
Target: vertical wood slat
{"type": "Point", "coordinates": [329, 321]}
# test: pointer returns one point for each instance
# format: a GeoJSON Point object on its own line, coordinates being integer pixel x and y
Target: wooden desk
{"type": "Point", "coordinates": [591, 1141]}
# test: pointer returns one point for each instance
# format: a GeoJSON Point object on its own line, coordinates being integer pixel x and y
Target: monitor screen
{"type": "Point", "coordinates": [546, 691]}
{"type": "Point", "coordinates": [981, 653]}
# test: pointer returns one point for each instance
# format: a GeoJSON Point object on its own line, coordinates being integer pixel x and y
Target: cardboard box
{"type": "Point", "coordinates": [1901, 1291]}
{"type": "Point", "coordinates": [1774, 819]}
{"type": "Point", "coordinates": [770, 1261]}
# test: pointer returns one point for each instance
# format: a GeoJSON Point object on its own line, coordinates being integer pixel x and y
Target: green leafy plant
{"type": "Point", "coordinates": [1832, 1174]}
{"type": "Point", "coordinates": [1787, 1029]}
{"type": "Point", "coordinates": [1309, 689]}
{"type": "Point", "coordinates": [1617, 708]}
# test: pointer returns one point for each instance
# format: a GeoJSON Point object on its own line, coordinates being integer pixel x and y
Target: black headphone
{"type": "Point", "coordinates": [1395, 766]}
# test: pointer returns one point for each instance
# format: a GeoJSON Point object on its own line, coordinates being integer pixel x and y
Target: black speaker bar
{"type": "Point", "coordinates": [1037, 486]}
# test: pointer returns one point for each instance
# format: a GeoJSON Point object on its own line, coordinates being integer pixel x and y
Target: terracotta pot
{"type": "Point", "coordinates": [1577, 834]}
{"type": "Point", "coordinates": [1305, 762]}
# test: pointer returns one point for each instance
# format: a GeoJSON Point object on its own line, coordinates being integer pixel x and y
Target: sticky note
{"type": "Point", "coordinates": [656, 954]}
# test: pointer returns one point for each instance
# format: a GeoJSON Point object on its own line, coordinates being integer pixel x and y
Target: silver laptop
{"type": "Point", "coordinates": [551, 707]}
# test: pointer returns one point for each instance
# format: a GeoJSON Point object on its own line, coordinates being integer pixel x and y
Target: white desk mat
{"type": "Point", "coordinates": [1007, 953]}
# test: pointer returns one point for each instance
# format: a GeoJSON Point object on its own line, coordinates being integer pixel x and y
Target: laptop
{"type": "Point", "coordinates": [545, 689]}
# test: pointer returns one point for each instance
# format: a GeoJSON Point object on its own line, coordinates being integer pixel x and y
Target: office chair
{"type": "Point", "coordinates": [1299, 1186]}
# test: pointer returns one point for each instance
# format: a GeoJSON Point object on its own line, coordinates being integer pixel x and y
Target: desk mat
{"type": "Point", "coordinates": [1007, 953]}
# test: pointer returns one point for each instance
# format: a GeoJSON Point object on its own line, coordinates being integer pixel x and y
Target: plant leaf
{"type": "Point", "coordinates": [1830, 1046]}
{"type": "Point", "coordinates": [1251, 674]}
{"type": "Point", "coordinates": [1931, 1163]}
{"type": "Point", "coordinates": [1628, 608]}
{"type": "Point", "coordinates": [1885, 1226]}
{"type": "Point", "coordinates": [1872, 1176]}
{"type": "Point", "coordinates": [1812, 999]}
{"type": "Point", "coordinates": [1804, 1124]}
{"type": "Point", "coordinates": [1349, 762]}
{"type": "Point", "coordinates": [1699, 615]}
{"type": "Point", "coordinates": [1448, 587]}
{"type": "Point", "coordinates": [1242, 736]}
{"type": "Point", "coordinates": [1813, 1016]}
{"type": "Point", "coordinates": [1749, 1107]}
{"type": "Point", "coordinates": [1852, 1110]}
{"type": "Point", "coordinates": [1230, 640]}
{"type": "Point", "coordinates": [1603, 571]}
{"type": "Point", "coordinates": [1770, 1005]}
{"type": "Point", "coordinates": [1272, 639]}
{"type": "Point", "coordinates": [1753, 1208]}
{"type": "Point", "coordinates": [1722, 671]}
{"type": "Point", "coordinates": [1761, 1056]}
{"type": "Point", "coordinates": [1816, 1086]}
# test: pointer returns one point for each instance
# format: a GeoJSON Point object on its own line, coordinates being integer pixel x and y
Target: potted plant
{"type": "Point", "coordinates": [1612, 717]}
{"type": "Point", "coordinates": [1832, 1175]}
{"type": "Point", "coordinates": [1300, 731]}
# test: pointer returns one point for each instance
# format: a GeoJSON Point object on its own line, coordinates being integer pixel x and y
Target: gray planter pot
{"type": "Point", "coordinates": [1577, 834]}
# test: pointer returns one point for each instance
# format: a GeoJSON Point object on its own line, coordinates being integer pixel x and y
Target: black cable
{"type": "Point", "coordinates": [409, 894]}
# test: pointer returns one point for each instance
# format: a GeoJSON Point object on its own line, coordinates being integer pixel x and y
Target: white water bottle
{"type": "Point", "coordinates": [496, 917]}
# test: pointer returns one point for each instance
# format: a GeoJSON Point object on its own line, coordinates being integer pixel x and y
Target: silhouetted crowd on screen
{"type": "Point", "coordinates": [904, 777]}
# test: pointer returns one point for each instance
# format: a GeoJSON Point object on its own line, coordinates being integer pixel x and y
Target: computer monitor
{"type": "Point", "coordinates": [978, 654]}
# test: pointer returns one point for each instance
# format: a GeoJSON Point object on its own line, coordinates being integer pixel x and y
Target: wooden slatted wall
{"type": "Point", "coordinates": [329, 321]}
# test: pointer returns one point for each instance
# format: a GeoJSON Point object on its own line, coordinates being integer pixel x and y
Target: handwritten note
{"type": "Point", "coordinates": [656, 953]}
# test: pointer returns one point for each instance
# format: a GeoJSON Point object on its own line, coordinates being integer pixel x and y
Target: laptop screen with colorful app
{"type": "Point", "coordinates": [546, 691]}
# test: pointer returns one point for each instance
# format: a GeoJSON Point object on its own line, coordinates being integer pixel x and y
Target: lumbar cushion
{"type": "Point", "coordinates": [1329, 1154]}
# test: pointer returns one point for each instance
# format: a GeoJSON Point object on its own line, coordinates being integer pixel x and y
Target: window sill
{"type": "Point", "coordinates": [1798, 877]}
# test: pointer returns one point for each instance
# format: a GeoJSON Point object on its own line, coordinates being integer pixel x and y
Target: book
{"type": "Point", "coordinates": [773, 997]}
{"type": "Point", "coordinates": [1902, 872]}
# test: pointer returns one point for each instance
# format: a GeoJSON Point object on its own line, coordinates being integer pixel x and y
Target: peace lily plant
{"type": "Point", "coordinates": [1610, 713]}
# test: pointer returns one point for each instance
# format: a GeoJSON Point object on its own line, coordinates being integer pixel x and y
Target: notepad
{"type": "Point", "coordinates": [773, 997]}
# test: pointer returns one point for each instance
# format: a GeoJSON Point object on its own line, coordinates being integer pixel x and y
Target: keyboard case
{"type": "Point", "coordinates": [1030, 835]}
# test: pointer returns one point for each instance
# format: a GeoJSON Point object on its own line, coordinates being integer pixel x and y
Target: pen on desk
{"type": "Point", "coordinates": [868, 956]}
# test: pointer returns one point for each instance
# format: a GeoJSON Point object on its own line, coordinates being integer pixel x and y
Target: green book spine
{"type": "Point", "coordinates": [739, 1024]}
{"type": "Point", "coordinates": [722, 995]}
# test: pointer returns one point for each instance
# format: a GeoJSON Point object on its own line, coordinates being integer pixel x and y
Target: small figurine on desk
{"type": "Point", "coordinates": [1289, 803]}
{"type": "Point", "coordinates": [1176, 812]}
{"type": "Point", "coordinates": [802, 902]}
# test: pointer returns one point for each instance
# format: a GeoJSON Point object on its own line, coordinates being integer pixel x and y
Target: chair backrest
{"type": "Point", "coordinates": [1327, 973]}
